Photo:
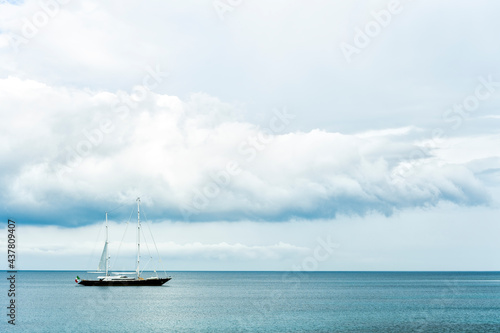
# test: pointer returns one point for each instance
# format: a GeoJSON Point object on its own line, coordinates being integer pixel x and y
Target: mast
{"type": "Point", "coordinates": [107, 257]}
{"type": "Point", "coordinates": [138, 236]}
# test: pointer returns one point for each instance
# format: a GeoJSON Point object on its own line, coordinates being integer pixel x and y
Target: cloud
{"type": "Point", "coordinates": [260, 56]}
{"type": "Point", "coordinates": [223, 251]}
{"type": "Point", "coordinates": [71, 154]}
{"type": "Point", "coordinates": [196, 250]}
{"type": "Point", "coordinates": [80, 247]}
{"type": "Point", "coordinates": [444, 238]}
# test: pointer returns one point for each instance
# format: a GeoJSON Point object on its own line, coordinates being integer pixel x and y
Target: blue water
{"type": "Point", "coordinates": [260, 302]}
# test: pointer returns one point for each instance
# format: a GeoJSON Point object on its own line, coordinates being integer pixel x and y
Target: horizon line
{"type": "Point", "coordinates": [276, 271]}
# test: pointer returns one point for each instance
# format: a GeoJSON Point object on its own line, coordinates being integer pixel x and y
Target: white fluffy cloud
{"type": "Point", "coordinates": [196, 159]}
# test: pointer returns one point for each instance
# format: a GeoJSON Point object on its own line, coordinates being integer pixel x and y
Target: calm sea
{"type": "Point", "coordinates": [260, 302]}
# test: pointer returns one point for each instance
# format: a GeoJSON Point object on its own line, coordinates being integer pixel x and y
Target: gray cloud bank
{"type": "Point", "coordinates": [70, 154]}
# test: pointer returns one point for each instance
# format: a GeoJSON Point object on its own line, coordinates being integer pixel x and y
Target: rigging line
{"type": "Point", "coordinates": [145, 266]}
{"type": "Point", "coordinates": [149, 252]}
{"type": "Point", "coordinates": [123, 237]}
{"type": "Point", "coordinates": [147, 247]}
{"type": "Point", "coordinates": [156, 247]}
{"type": "Point", "coordinates": [95, 245]}
{"type": "Point", "coordinates": [109, 211]}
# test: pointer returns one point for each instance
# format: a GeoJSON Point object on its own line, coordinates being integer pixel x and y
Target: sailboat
{"type": "Point", "coordinates": [121, 278]}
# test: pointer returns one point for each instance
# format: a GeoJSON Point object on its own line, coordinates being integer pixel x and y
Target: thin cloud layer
{"type": "Point", "coordinates": [82, 246]}
{"type": "Point", "coordinates": [72, 154]}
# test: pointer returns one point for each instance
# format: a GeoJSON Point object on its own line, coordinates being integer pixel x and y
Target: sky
{"type": "Point", "coordinates": [259, 135]}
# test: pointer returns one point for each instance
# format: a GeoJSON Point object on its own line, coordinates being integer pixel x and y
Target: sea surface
{"type": "Point", "coordinates": [48, 301]}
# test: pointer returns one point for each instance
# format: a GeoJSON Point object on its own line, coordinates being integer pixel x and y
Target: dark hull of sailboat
{"type": "Point", "coordinates": [123, 283]}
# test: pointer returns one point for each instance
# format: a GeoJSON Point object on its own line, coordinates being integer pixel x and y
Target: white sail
{"type": "Point", "coordinates": [102, 262]}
